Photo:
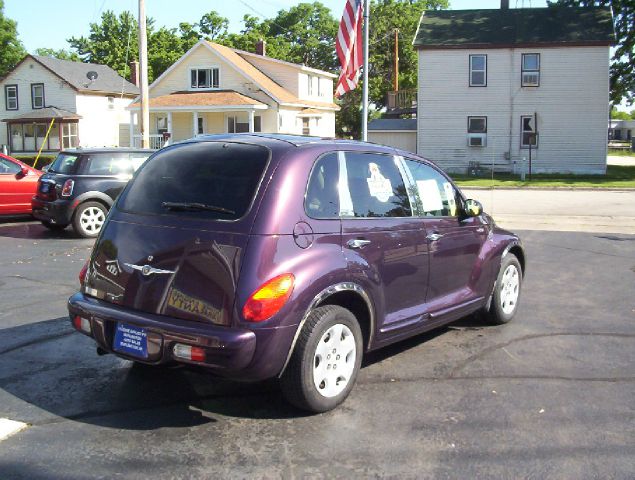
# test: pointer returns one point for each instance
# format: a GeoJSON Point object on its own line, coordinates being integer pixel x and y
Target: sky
{"type": "Point", "coordinates": [42, 23]}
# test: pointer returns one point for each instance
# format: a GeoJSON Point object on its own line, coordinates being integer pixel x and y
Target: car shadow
{"type": "Point", "coordinates": [33, 230]}
{"type": "Point", "coordinates": [65, 378]}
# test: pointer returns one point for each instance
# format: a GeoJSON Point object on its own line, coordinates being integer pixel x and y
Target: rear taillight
{"type": "Point", "coordinates": [67, 189]}
{"type": "Point", "coordinates": [82, 274]}
{"type": "Point", "coordinates": [265, 302]}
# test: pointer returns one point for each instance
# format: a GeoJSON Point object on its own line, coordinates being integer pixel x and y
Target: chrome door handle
{"type": "Point", "coordinates": [433, 237]}
{"type": "Point", "coordinates": [357, 243]}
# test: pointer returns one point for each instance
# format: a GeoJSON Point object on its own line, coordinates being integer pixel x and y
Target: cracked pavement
{"type": "Point", "coordinates": [549, 395]}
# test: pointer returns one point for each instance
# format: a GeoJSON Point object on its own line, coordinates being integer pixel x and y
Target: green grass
{"type": "Point", "coordinates": [616, 177]}
{"type": "Point", "coordinates": [621, 153]}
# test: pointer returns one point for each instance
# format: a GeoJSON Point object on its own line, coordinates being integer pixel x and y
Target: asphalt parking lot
{"type": "Point", "coordinates": [550, 395]}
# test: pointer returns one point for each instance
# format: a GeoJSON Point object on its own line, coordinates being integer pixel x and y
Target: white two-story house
{"type": "Point", "coordinates": [501, 88]}
{"type": "Point", "coordinates": [51, 104]}
{"type": "Point", "coordinates": [216, 89]}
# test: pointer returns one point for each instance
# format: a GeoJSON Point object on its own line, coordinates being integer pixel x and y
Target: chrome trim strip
{"type": "Point", "coordinates": [320, 297]}
{"type": "Point", "coordinates": [147, 269]}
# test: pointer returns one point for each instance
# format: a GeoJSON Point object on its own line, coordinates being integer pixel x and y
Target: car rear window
{"type": "Point", "coordinates": [64, 163]}
{"type": "Point", "coordinates": [204, 180]}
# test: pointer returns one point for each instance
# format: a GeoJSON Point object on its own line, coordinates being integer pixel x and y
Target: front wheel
{"type": "Point", "coordinates": [327, 357]}
{"type": "Point", "coordinates": [89, 218]}
{"type": "Point", "coordinates": [507, 291]}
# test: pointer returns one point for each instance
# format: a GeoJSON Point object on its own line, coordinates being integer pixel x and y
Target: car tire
{"type": "Point", "coordinates": [331, 338]}
{"type": "Point", "coordinates": [89, 218]}
{"type": "Point", "coordinates": [506, 295]}
{"type": "Point", "coordinates": [55, 227]}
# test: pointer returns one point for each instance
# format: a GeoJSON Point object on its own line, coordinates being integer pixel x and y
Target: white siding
{"type": "Point", "coordinates": [100, 124]}
{"type": "Point", "coordinates": [403, 140]}
{"type": "Point", "coordinates": [57, 92]}
{"type": "Point", "coordinates": [571, 105]}
{"type": "Point", "coordinates": [322, 126]}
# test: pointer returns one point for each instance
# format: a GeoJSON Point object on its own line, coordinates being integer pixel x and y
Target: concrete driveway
{"type": "Point", "coordinates": [600, 211]}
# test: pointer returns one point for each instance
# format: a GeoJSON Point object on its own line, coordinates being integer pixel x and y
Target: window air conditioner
{"type": "Point", "coordinates": [477, 139]}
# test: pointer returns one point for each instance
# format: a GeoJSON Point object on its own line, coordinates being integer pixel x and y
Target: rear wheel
{"type": "Point", "coordinates": [327, 357]}
{"type": "Point", "coordinates": [88, 219]}
{"type": "Point", "coordinates": [507, 291]}
{"type": "Point", "coordinates": [56, 227]}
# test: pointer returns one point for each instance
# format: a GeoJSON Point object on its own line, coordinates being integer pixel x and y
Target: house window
{"type": "Point", "coordinates": [310, 85]}
{"type": "Point", "coordinates": [11, 97]}
{"type": "Point", "coordinates": [306, 130]}
{"type": "Point", "coordinates": [205, 77]}
{"type": "Point", "coordinates": [530, 70]}
{"type": "Point", "coordinates": [70, 138]}
{"type": "Point", "coordinates": [478, 70]}
{"type": "Point", "coordinates": [37, 95]}
{"type": "Point", "coordinates": [477, 131]}
{"type": "Point", "coordinates": [529, 134]}
{"type": "Point", "coordinates": [320, 89]}
{"type": "Point", "coordinates": [200, 125]}
{"type": "Point", "coordinates": [111, 102]}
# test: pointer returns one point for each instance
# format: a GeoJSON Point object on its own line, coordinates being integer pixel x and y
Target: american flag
{"type": "Point", "coordinates": [349, 46]}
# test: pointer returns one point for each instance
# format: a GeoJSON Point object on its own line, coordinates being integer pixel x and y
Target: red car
{"type": "Point", "coordinates": [18, 184]}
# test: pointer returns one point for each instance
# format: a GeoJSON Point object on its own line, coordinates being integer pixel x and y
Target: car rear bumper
{"type": "Point", "coordinates": [231, 352]}
{"type": "Point", "coordinates": [59, 212]}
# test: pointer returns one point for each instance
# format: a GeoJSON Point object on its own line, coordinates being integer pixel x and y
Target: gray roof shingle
{"type": "Point", "coordinates": [557, 25]}
{"type": "Point", "coordinates": [107, 81]}
{"type": "Point", "coordinates": [393, 124]}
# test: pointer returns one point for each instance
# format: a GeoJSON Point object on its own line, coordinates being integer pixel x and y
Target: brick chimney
{"type": "Point", "coordinates": [134, 73]}
{"type": "Point", "coordinates": [504, 4]}
{"type": "Point", "coordinates": [261, 47]}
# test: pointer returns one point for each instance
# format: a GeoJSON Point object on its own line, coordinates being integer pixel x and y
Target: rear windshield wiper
{"type": "Point", "coordinates": [193, 206]}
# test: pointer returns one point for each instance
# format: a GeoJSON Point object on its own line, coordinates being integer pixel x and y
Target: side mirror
{"type": "Point", "coordinates": [473, 208]}
{"type": "Point", "coordinates": [23, 172]}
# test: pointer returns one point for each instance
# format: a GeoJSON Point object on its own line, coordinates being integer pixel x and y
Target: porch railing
{"type": "Point", "coordinates": [156, 141]}
{"type": "Point", "coordinates": [401, 99]}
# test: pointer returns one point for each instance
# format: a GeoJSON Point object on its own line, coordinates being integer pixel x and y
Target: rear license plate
{"type": "Point", "coordinates": [131, 340]}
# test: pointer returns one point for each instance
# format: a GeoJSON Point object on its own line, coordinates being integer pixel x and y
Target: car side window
{"type": "Point", "coordinates": [8, 167]}
{"type": "Point", "coordinates": [375, 186]}
{"type": "Point", "coordinates": [108, 164]}
{"type": "Point", "coordinates": [322, 199]}
{"type": "Point", "coordinates": [433, 193]}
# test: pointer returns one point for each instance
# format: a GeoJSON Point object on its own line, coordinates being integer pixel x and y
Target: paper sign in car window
{"type": "Point", "coordinates": [378, 185]}
{"type": "Point", "coordinates": [449, 195]}
{"type": "Point", "coordinates": [430, 195]}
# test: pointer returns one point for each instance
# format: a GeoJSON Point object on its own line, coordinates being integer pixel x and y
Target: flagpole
{"type": "Point", "coordinates": [365, 85]}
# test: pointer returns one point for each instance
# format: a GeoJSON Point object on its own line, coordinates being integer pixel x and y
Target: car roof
{"type": "Point", "coordinates": [293, 140]}
{"type": "Point", "coordinates": [78, 151]}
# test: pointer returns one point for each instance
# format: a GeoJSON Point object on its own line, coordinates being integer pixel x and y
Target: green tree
{"type": "Point", "coordinates": [113, 42]}
{"type": "Point", "coordinates": [213, 26]}
{"type": "Point", "coordinates": [619, 115]}
{"type": "Point", "coordinates": [622, 72]}
{"type": "Point", "coordinates": [309, 31]}
{"type": "Point", "coordinates": [165, 47]}
{"type": "Point", "coordinates": [11, 48]}
{"type": "Point", "coordinates": [189, 35]}
{"type": "Point", "coordinates": [385, 17]}
{"type": "Point", "coordinates": [61, 54]}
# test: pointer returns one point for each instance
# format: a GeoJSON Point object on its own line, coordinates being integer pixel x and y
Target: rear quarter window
{"type": "Point", "coordinates": [222, 176]}
{"type": "Point", "coordinates": [64, 163]}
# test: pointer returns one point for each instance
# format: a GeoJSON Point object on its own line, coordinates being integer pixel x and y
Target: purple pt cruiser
{"type": "Point", "coordinates": [260, 256]}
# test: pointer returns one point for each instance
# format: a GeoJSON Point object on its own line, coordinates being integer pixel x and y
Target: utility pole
{"type": "Point", "coordinates": [144, 125]}
{"type": "Point", "coordinates": [395, 81]}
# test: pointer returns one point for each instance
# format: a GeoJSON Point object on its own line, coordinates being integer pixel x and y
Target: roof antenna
{"type": "Point", "coordinates": [91, 76]}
